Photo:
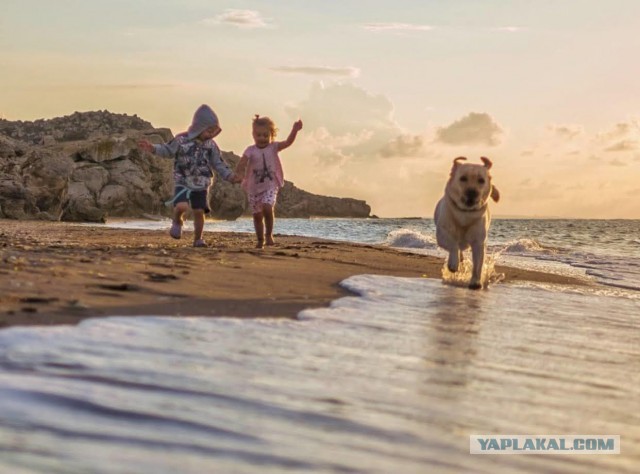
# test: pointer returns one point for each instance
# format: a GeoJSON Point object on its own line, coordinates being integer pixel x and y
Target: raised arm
{"type": "Point", "coordinates": [297, 126]}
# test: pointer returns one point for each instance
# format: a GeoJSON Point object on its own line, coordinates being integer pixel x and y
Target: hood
{"type": "Point", "coordinates": [202, 119]}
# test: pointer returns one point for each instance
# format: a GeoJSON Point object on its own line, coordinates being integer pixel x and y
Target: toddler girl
{"type": "Point", "coordinates": [263, 176]}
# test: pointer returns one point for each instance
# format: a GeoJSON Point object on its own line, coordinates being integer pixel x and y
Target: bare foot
{"type": "Point", "coordinates": [260, 244]}
{"type": "Point", "coordinates": [270, 241]}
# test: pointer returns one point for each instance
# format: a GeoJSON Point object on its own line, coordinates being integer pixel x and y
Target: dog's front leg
{"type": "Point", "coordinates": [455, 255]}
{"type": "Point", "coordinates": [477, 255]}
{"type": "Point", "coordinates": [447, 242]}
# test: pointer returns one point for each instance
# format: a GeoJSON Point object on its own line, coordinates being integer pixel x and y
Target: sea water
{"type": "Point", "coordinates": [392, 379]}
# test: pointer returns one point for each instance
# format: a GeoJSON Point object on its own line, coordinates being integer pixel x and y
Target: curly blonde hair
{"type": "Point", "coordinates": [265, 122]}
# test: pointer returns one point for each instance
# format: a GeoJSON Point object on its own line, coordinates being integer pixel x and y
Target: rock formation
{"type": "Point", "coordinates": [86, 166]}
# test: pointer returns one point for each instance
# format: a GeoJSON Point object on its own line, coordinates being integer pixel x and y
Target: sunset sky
{"type": "Point", "coordinates": [389, 92]}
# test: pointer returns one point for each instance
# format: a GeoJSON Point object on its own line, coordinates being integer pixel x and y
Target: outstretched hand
{"type": "Point", "coordinates": [297, 126]}
{"type": "Point", "coordinates": [146, 145]}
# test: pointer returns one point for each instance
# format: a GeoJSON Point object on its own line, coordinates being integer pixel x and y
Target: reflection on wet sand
{"type": "Point", "coordinates": [393, 381]}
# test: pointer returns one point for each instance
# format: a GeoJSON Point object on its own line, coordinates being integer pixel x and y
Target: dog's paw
{"type": "Point", "coordinates": [475, 286]}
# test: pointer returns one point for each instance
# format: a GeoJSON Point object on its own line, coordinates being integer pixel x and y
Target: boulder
{"type": "Point", "coordinates": [81, 205]}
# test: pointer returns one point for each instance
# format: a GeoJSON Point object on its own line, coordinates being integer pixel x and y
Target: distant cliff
{"type": "Point", "coordinates": [86, 167]}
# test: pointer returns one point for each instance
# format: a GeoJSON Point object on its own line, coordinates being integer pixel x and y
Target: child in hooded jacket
{"type": "Point", "coordinates": [196, 158]}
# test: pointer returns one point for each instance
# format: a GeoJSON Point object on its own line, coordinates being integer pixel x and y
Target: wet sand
{"type": "Point", "coordinates": [60, 273]}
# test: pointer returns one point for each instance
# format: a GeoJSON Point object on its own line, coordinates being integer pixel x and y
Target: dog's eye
{"type": "Point", "coordinates": [481, 180]}
{"type": "Point", "coordinates": [463, 179]}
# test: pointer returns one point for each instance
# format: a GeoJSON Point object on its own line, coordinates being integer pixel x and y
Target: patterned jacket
{"type": "Point", "coordinates": [194, 161]}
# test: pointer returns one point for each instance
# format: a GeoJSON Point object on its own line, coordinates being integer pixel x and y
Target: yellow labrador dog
{"type": "Point", "coordinates": [462, 216]}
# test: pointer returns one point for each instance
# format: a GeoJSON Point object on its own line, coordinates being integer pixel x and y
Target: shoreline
{"type": "Point", "coordinates": [60, 273]}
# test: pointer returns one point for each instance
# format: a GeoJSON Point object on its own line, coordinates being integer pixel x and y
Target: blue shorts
{"type": "Point", "coordinates": [196, 199]}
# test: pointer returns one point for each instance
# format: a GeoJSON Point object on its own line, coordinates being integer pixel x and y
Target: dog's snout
{"type": "Point", "coordinates": [470, 197]}
{"type": "Point", "coordinates": [471, 194]}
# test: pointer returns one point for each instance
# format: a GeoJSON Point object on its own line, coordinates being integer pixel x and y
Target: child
{"type": "Point", "coordinates": [263, 176]}
{"type": "Point", "coordinates": [196, 157]}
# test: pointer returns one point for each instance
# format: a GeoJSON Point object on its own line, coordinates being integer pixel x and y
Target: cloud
{"type": "Point", "coordinates": [345, 122]}
{"type": "Point", "coordinates": [333, 149]}
{"type": "Point", "coordinates": [621, 137]}
{"type": "Point", "coordinates": [568, 132]}
{"type": "Point", "coordinates": [132, 86]}
{"type": "Point", "coordinates": [403, 145]}
{"type": "Point", "coordinates": [621, 130]}
{"type": "Point", "coordinates": [623, 145]}
{"type": "Point", "coordinates": [617, 162]}
{"type": "Point", "coordinates": [345, 109]}
{"type": "Point", "coordinates": [330, 156]}
{"type": "Point", "coordinates": [543, 190]}
{"type": "Point", "coordinates": [396, 27]}
{"type": "Point", "coordinates": [115, 87]}
{"type": "Point", "coordinates": [510, 29]}
{"type": "Point", "coordinates": [475, 128]}
{"type": "Point", "coordinates": [319, 70]}
{"type": "Point", "coordinates": [240, 19]}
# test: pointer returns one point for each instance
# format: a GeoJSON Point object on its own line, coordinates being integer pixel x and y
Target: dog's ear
{"type": "Point", "coordinates": [495, 194]}
{"type": "Point", "coordinates": [460, 158]}
{"type": "Point", "coordinates": [487, 162]}
{"type": "Point", "coordinates": [456, 163]}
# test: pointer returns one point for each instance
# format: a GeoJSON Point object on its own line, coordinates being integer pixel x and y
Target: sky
{"type": "Point", "coordinates": [389, 92]}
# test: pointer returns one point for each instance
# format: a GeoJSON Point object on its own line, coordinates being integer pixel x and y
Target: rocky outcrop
{"type": "Point", "coordinates": [86, 166]}
{"type": "Point", "coordinates": [76, 127]}
{"type": "Point", "coordinates": [294, 202]}
{"type": "Point", "coordinates": [227, 201]}
{"type": "Point", "coordinates": [89, 179]}
{"type": "Point", "coordinates": [33, 183]}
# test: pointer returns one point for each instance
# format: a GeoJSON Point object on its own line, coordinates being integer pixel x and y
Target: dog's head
{"type": "Point", "coordinates": [470, 185]}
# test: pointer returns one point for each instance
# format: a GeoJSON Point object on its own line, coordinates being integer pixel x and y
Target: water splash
{"type": "Point", "coordinates": [462, 277]}
{"type": "Point", "coordinates": [529, 246]}
{"type": "Point", "coordinates": [408, 238]}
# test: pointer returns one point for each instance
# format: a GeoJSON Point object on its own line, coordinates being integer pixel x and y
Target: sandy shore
{"type": "Point", "coordinates": [59, 273]}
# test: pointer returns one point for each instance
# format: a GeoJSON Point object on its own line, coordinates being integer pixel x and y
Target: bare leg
{"type": "Point", "coordinates": [198, 224]}
{"type": "Point", "coordinates": [259, 226]}
{"type": "Point", "coordinates": [176, 227]}
{"type": "Point", "coordinates": [178, 212]}
{"type": "Point", "coordinates": [267, 210]}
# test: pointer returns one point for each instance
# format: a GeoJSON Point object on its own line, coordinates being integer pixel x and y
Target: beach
{"type": "Point", "coordinates": [343, 350]}
{"type": "Point", "coordinates": [60, 273]}
{"type": "Point", "coordinates": [348, 346]}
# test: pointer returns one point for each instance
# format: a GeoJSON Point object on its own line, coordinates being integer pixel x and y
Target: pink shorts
{"type": "Point", "coordinates": [256, 201]}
